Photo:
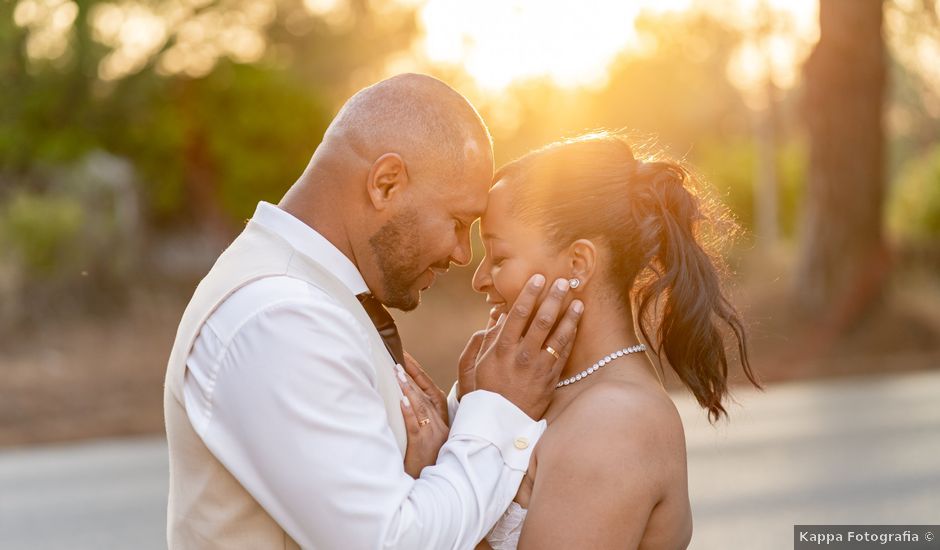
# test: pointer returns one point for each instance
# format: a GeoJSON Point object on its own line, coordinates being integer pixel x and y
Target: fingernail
{"type": "Point", "coordinates": [577, 306]}
{"type": "Point", "coordinates": [401, 375]}
{"type": "Point", "coordinates": [404, 399]}
{"type": "Point", "coordinates": [538, 281]}
{"type": "Point", "coordinates": [561, 284]}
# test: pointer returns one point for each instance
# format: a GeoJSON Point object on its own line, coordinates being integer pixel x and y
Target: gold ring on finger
{"type": "Point", "coordinates": [551, 350]}
{"type": "Point", "coordinates": [424, 422]}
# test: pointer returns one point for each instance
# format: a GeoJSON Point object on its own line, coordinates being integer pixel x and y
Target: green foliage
{"type": "Point", "coordinates": [204, 148]}
{"type": "Point", "coordinates": [792, 164]}
{"type": "Point", "coordinates": [239, 135]}
{"type": "Point", "coordinates": [200, 151]}
{"type": "Point", "coordinates": [914, 201]}
{"type": "Point", "coordinates": [42, 233]}
{"type": "Point", "coordinates": [260, 129]}
{"type": "Point", "coordinates": [730, 167]}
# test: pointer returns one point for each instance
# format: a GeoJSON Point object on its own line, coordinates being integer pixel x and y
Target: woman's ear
{"type": "Point", "coordinates": [387, 178]}
{"type": "Point", "coordinates": [582, 258]}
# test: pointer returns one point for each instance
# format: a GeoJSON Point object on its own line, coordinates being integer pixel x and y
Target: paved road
{"type": "Point", "coordinates": [837, 452]}
{"type": "Point", "coordinates": [847, 451]}
{"type": "Point", "coordinates": [99, 495]}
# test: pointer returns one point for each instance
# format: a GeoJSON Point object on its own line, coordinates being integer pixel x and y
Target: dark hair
{"type": "Point", "coordinates": [655, 218]}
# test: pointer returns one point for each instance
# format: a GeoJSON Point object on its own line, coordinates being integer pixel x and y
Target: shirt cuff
{"type": "Point", "coordinates": [452, 404]}
{"type": "Point", "coordinates": [492, 417]}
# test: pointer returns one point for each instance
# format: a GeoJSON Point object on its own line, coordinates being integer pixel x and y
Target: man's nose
{"type": "Point", "coordinates": [463, 254]}
{"type": "Point", "coordinates": [481, 277]}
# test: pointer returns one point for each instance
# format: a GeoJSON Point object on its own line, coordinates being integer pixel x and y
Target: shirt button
{"type": "Point", "coordinates": [522, 443]}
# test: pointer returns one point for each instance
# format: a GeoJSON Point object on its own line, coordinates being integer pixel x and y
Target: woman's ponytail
{"type": "Point", "coordinates": [679, 284]}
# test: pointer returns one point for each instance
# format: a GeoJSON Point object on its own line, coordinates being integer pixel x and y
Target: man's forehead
{"type": "Point", "coordinates": [478, 161]}
{"type": "Point", "coordinates": [470, 193]}
{"type": "Point", "coordinates": [471, 196]}
{"type": "Point", "coordinates": [472, 203]}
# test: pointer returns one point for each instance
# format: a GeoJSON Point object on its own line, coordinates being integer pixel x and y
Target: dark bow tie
{"type": "Point", "coordinates": [385, 324]}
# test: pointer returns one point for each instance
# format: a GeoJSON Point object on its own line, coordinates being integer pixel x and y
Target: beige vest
{"type": "Point", "coordinates": [207, 506]}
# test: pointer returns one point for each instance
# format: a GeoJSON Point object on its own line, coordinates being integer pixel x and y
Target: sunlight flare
{"type": "Point", "coordinates": [500, 42]}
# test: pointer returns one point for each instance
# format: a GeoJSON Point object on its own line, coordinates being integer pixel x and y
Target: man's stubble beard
{"type": "Point", "coordinates": [397, 247]}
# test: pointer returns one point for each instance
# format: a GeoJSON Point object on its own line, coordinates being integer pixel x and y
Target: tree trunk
{"type": "Point", "coordinates": [843, 264]}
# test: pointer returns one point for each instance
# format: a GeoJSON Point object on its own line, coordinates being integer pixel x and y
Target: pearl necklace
{"type": "Point", "coordinates": [600, 363]}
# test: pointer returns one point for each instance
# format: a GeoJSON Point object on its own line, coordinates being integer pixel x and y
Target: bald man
{"type": "Point", "coordinates": [284, 409]}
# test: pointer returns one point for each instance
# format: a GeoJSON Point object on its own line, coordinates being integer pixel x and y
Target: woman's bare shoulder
{"type": "Point", "coordinates": [624, 418]}
{"type": "Point", "coordinates": [615, 453]}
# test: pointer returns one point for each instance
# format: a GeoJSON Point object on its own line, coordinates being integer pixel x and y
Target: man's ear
{"type": "Point", "coordinates": [387, 178]}
{"type": "Point", "coordinates": [582, 261]}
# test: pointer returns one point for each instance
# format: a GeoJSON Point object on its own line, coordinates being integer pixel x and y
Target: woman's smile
{"type": "Point", "coordinates": [498, 307]}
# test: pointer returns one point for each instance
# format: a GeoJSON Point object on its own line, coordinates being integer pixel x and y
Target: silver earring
{"type": "Point", "coordinates": [574, 283]}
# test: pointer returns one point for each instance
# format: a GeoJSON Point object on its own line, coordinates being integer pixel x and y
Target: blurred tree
{"type": "Point", "coordinates": [843, 265]}
{"type": "Point", "coordinates": [213, 105]}
{"type": "Point", "coordinates": [217, 105]}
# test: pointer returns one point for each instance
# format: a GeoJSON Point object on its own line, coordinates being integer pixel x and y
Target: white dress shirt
{"type": "Point", "coordinates": [277, 388]}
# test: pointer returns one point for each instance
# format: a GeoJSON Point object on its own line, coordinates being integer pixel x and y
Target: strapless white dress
{"type": "Point", "coordinates": [505, 534]}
